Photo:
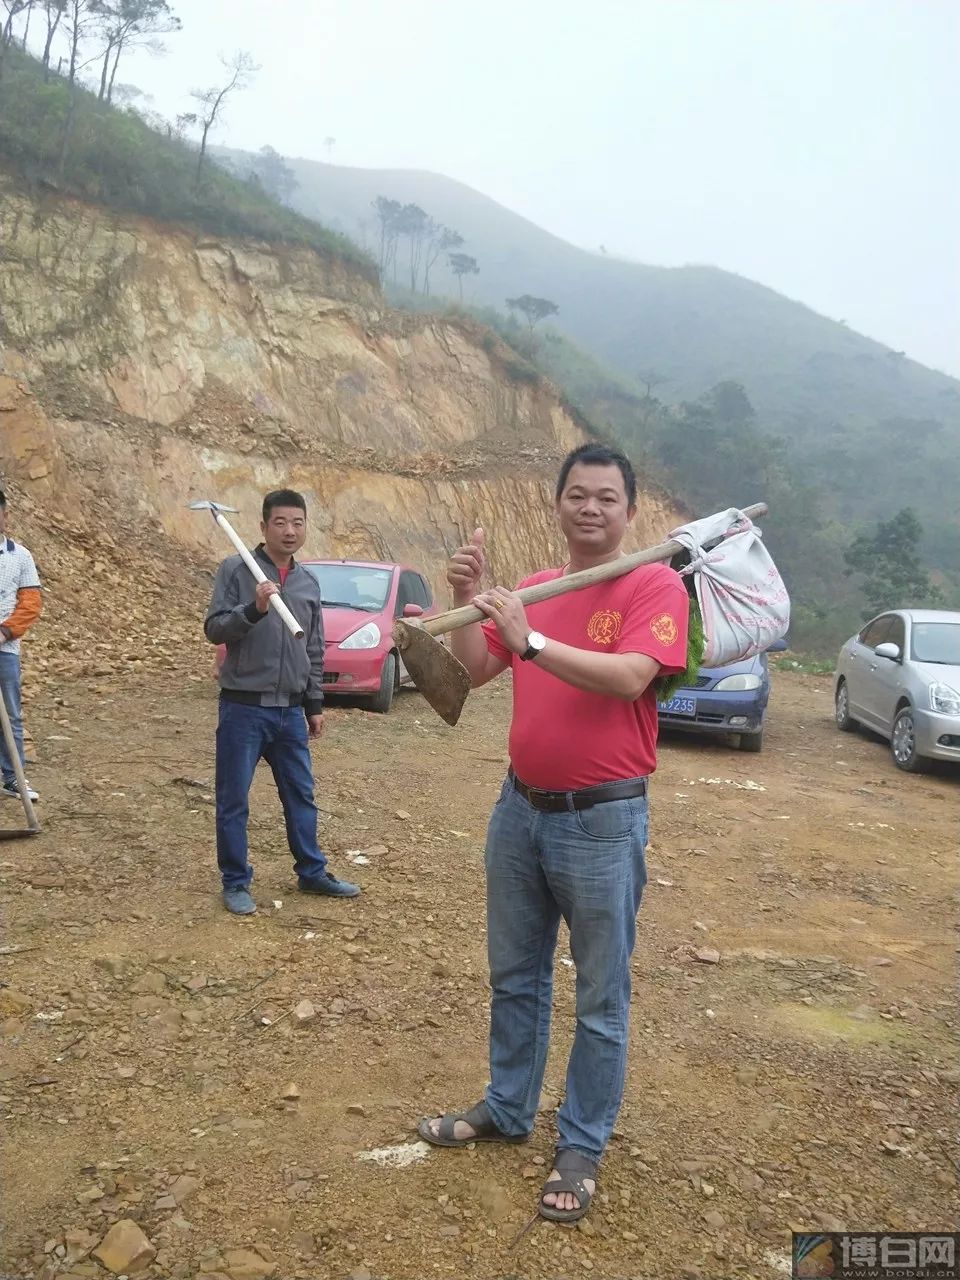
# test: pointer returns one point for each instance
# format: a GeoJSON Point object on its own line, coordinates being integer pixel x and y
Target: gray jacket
{"type": "Point", "coordinates": [265, 665]}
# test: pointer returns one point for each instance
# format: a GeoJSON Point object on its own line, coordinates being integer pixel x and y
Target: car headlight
{"type": "Point", "coordinates": [944, 699]}
{"type": "Point", "coordinates": [730, 683]}
{"type": "Point", "coordinates": [365, 637]}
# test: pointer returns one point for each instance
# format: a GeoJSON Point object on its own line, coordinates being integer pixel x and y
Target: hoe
{"type": "Point", "coordinates": [444, 681]}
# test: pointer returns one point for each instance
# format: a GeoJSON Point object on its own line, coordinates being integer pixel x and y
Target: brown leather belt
{"type": "Point", "coordinates": [564, 801]}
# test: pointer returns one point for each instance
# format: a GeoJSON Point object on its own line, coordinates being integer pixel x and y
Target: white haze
{"type": "Point", "coordinates": [808, 144]}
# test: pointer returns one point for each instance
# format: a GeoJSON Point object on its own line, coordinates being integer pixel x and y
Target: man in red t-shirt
{"type": "Point", "coordinates": [568, 833]}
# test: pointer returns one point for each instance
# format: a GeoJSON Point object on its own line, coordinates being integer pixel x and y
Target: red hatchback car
{"type": "Point", "coordinates": [361, 599]}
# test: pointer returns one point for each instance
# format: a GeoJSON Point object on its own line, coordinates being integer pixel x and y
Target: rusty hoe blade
{"type": "Point", "coordinates": [442, 680]}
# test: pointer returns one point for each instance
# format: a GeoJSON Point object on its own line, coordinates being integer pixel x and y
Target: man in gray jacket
{"type": "Point", "coordinates": [271, 701]}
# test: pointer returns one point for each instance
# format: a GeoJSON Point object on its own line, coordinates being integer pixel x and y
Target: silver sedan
{"type": "Point", "coordinates": [900, 677]}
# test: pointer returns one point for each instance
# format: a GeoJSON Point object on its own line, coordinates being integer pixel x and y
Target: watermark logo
{"type": "Point", "coordinates": [877, 1255]}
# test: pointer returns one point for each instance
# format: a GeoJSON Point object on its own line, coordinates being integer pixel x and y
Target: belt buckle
{"type": "Point", "coordinates": [537, 793]}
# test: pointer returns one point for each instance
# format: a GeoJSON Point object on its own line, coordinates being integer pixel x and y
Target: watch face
{"type": "Point", "coordinates": [536, 641]}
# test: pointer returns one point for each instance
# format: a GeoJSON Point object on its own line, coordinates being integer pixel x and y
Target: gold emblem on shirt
{"type": "Point", "coordinates": [665, 629]}
{"type": "Point", "coordinates": [604, 626]}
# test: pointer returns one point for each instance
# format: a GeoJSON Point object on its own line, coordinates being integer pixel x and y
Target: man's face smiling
{"type": "Point", "coordinates": [593, 510]}
{"type": "Point", "coordinates": [284, 533]}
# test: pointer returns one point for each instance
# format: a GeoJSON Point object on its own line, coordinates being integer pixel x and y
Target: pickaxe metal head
{"type": "Point", "coordinates": [203, 505]}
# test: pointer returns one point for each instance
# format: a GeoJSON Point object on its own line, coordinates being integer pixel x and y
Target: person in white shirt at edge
{"type": "Point", "coordinates": [20, 607]}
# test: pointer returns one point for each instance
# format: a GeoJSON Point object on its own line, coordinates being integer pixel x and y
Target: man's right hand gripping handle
{"type": "Point", "coordinates": [465, 569]}
{"type": "Point", "coordinates": [469, 644]}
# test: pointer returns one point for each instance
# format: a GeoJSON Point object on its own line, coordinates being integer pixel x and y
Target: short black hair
{"type": "Point", "coordinates": [599, 455]}
{"type": "Point", "coordinates": [283, 498]}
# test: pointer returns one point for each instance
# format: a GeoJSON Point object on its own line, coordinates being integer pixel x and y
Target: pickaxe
{"type": "Point", "coordinates": [444, 681]}
{"type": "Point", "coordinates": [217, 509]}
{"type": "Point", "coordinates": [33, 826]}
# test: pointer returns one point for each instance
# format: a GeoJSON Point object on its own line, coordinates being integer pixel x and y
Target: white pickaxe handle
{"type": "Point", "coordinates": [289, 621]}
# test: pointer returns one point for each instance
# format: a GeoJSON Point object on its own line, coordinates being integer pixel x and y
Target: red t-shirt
{"type": "Point", "coordinates": [562, 738]}
{"type": "Point", "coordinates": [282, 574]}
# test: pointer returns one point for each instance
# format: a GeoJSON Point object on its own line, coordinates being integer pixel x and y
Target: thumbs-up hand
{"type": "Point", "coordinates": [465, 568]}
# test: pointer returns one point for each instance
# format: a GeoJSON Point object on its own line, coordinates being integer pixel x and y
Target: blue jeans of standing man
{"type": "Point", "coordinates": [588, 867]}
{"type": "Point", "coordinates": [10, 691]}
{"type": "Point", "coordinates": [245, 735]}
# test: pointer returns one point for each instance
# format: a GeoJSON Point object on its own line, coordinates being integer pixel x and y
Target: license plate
{"type": "Point", "coordinates": [679, 707]}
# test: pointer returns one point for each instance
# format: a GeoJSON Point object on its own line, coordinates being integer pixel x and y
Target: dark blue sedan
{"type": "Point", "coordinates": [728, 700]}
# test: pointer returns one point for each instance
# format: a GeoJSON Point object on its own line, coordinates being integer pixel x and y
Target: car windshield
{"type": "Point", "coordinates": [352, 586]}
{"type": "Point", "coordinates": [937, 642]}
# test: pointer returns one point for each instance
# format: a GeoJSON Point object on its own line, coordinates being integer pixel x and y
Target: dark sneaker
{"type": "Point", "coordinates": [13, 791]}
{"type": "Point", "coordinates": [239, 902]}
{"type": "Point", "coordinates": [330, 886]}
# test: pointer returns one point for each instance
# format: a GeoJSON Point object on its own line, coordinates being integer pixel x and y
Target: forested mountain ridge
{"type": "Point", "coordinates": [691, 326]}
{"type": "Point", "coordinates": [721, 387]}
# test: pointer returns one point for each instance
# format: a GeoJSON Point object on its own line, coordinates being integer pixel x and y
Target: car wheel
{"type": "Point", "coordinates": [903, 743]}
{"type": "Point", "coordinates": [751, 741]}
{"type": "Point", "coordinates": [382, 700]}
{"type": "Point", "coordinates": [845, 722]}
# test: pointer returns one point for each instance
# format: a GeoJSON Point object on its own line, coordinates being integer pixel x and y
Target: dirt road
{"type": "Point", "coordinates": [153, 1067]}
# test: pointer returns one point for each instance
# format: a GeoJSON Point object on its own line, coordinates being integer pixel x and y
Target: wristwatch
{"type": "Point", "coordinates": [536, 643]}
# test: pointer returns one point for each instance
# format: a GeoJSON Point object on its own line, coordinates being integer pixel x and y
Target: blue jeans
{"type": "Point", "coordinates": [245, 735]}
{"type": "Point", "coordinates": [588, 867]}
{"type": "Point", "coordinates": [10, 692]}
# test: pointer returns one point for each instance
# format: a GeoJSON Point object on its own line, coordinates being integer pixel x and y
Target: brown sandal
{"type": "Point", "coordinates": [479, 1120]}
{"type": "Point", "coordinates": [573, 1167]}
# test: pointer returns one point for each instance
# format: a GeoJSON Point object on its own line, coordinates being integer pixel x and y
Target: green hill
{"type": "Point", "coordinates": [693, 326]}
{"type": "Point", "coordinates": [59, 137]}
{"type": "Point", "coordinates": [845, 430]}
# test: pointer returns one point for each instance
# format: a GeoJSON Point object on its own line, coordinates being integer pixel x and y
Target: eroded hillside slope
{"type": "Point", "coordinates": [144, 366]}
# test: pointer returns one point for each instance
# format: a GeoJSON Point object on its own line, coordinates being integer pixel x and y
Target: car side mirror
{"type": "Point", "coordinates": [778, 646]}
{"type": "Point", "coordinates": [888, 650]}
{"type": "Point", "coordinates": [412, 611]}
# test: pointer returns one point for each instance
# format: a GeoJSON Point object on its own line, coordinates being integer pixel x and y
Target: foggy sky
{"type": "Point", "coordinates": [807, 144]}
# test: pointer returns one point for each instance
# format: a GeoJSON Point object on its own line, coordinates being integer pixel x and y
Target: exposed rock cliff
{"type": "Point", "coordinates": [146, 366]}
